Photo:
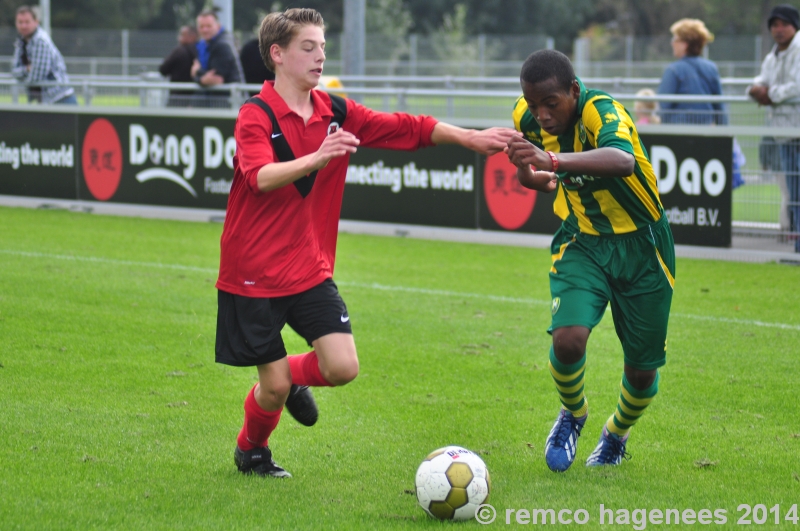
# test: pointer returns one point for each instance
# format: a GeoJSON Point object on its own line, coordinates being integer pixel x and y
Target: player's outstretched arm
{"type": "Point", "coordinates": [486, 141]}
{"type": "Point", "coordinates": [601, 162]}
{"type": "Point", "coordinates": [278, 174]}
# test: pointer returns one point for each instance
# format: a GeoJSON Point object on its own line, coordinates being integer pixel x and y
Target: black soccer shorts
{"type": "Point", "coordinates": [249, 329]}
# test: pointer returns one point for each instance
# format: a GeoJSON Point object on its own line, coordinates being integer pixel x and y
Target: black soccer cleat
{"type": "Point", "coordinates": [258, 461]}
{"type": "Point", "coordinates": [301, 405]}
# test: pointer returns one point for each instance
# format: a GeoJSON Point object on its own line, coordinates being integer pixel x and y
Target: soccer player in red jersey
{"type": "Point", "coordinates": [279, 240]}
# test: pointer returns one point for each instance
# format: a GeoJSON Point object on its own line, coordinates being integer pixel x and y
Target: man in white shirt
{"type": "Point", "coordinates": [778, 87]}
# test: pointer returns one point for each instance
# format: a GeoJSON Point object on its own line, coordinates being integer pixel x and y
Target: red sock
{"type": "Point", "coordinates": [258, 424]}
{"type": "Point", "coordinates": [305, 370]}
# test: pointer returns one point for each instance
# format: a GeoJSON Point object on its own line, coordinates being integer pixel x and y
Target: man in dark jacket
{"type": "Point", "coordinates": [223, 62]}
{"type": "Point", "coordinates": [178, 66]}
{"type": "Point", "coordinates": [255, 71]}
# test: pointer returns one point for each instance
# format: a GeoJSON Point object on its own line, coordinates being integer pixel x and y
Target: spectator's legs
{"type": "Point", "coordinates": [70, 100]}
{"type": "Point", "coordinates": [790, 155]}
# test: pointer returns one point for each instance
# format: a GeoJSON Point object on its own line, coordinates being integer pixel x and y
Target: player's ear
{"type": "Point", "coordinates": [575, 89]}
{"type": "Point", "coordinates": [276, 53]}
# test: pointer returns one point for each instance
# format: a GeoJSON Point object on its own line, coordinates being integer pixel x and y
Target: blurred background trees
{"type": "Point", "coordinates": [563, 21]}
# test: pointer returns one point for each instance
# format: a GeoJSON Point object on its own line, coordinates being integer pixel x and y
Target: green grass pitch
{"type": "Point", "coordinates": [113, 414]}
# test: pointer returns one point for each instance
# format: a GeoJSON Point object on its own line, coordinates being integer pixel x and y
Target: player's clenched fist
{"type": "Point", "coordinates": [523, 153]}
{"type": "Point", "coordinates": [335, 145]}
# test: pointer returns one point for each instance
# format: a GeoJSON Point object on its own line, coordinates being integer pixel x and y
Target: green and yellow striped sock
{"type": "Point", "coordinates": [569, 383]}
{"type": "Point", "coordinates": [631, 406]}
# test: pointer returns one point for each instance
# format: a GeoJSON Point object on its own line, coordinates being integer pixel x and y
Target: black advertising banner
{"type": "Point", "coordinates": [187, 161]}
{"type": "Point", "coordinates": [432, 186]}
{"type": "Point", "coordinates": [694, 180]}
{"type": "Point", "coordinates": [151, 160]}
{"type": "Point", "coordinates": [693, 175]}
{"type": "Point", "coordinates": [38, 154]}
{"type": "Point", "coordinates": [507, 205]}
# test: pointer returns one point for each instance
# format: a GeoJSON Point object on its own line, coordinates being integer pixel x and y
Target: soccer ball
{"type": "Point", "coordinates": [451, 483]}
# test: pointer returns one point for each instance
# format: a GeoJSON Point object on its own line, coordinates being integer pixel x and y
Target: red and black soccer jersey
{"type": "Point", "coordinates": [280, 243]}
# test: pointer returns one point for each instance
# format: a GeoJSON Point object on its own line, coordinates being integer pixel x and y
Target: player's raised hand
{"type": "Point", "coordinates": [491, 141]}
{"type": "Point", "coordinates": [522, 153]}
{"type": "Point", "coordinates": [335, 145]}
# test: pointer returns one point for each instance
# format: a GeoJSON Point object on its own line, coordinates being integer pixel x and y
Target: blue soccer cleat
{"type": "Point", "coordinates": [610, 450]}
{"type": "Point", "coordinates": [562, 443]}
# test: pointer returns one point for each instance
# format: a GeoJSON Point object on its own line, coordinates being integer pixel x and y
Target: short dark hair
{"type": "Point", "coordinates": [548, 64]}
{"type": "Point", "coordinates": [29, 10]}
{"type": "Point", "coordinates": [209, 13]}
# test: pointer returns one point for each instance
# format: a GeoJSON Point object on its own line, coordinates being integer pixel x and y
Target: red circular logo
{"type": "Point", "coordinates": [101, 159]}
{"type": "Point", "coordinates": [509, 202]}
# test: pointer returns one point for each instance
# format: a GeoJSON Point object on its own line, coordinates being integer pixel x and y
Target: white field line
{"type": "Point", "coordinates": [383, 287]}
{"type": "Point", "coordinates": [110, 261]}
{"type": "Point", "coordinates": [441, 292]}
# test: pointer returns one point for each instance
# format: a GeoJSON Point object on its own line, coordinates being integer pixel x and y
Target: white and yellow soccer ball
{"type": "Point", "coordinates": [451, 483]}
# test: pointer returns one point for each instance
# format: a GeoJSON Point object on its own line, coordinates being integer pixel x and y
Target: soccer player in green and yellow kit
{"type": "Point", "coordinates": [614, 245]}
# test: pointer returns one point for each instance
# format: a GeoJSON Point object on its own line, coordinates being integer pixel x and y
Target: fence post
{"type": "Point", "coordinates": [354, 41]}
{"type": "Point", "coordinates": [87, 94]}
{"type": "Point", "coordinates": [402, 105]}
{"type": "Point", "coordinates": [758, 45]}
{"type": "Point", "coordinates": [550, 43]}
{"type": "Point", "coordinates": [450, 85]}
{"type": "Point", "coordinates": [482, 55]}
{"type": "Point", "coordinates": [125, 51]}
{"type": "Point", "coordinates": [628, 55]}
{"type": "Point", "coordinates": [581, 50]}
{"type": "Point", "coordinates": [412, 54]}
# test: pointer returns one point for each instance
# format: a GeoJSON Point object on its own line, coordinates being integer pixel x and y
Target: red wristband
{"type": "Point", "coordinates": [554, 159]}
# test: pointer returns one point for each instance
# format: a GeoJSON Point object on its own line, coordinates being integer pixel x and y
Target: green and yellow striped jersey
{"type": "Point", "coordinates": [595, 205]}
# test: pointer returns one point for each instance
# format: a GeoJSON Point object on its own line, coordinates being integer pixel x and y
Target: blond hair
{"type": "Point", "coordinates": [281, 27]}
{"type": "Point", "coordinates": [694, 33]}
{"type": "Point", "coordinates": [647, 108]}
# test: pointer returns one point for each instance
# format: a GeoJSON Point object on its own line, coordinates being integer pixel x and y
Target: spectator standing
{"type": "Point", "coordinates": [178, 66]}
{"type": "Point", "coordinates": [778, 88]}
{"type": "Point", "coordinates": [222, 60]}
{"type": "Point", "coordinates": [255, 71]}
{"type": "Point", "coordinates": [36, 60]}
{"type": "Point", "coordinates": [691, 74]}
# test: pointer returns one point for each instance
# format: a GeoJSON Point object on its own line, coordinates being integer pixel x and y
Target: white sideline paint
{"type": "Point", "coordinates": [383, 287]}
{"type": "Point", "coordinates": [445, 293]}
{"type": "Point", "coordinates": [110, 261]}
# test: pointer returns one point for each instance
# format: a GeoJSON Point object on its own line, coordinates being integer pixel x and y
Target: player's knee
{"type": "Point", "coordinates": [342, 373]}
{"type": "Point", "coordinates": [273, 396]}
{"type": "Point", "coordinates": [640, 379]}
{"type": "Point", "coordinates": [569, 344]}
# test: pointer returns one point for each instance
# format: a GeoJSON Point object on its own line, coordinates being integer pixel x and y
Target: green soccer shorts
{"type": "Point", "coordinates": [635, 272]}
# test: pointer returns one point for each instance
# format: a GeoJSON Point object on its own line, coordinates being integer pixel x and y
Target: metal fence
{"type": "Point", "coordinates": [606, 56]}
{"type": "Point", "coordinates": [130, 52]}
{"type": "Point", "coordinates": [766, 201]}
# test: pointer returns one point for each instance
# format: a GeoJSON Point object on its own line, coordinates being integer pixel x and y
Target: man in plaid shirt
{"type": "Point", "coordinates": [36, 60]}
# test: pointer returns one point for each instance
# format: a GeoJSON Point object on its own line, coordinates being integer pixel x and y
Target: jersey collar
{"type": "Point", "coordinates": [322, 108]}
{"type": "Point", "coordinates": [583, 98]}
